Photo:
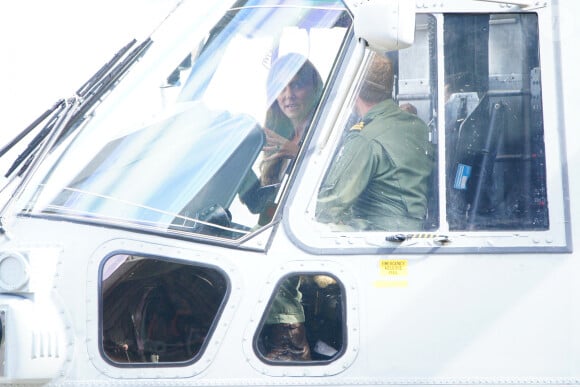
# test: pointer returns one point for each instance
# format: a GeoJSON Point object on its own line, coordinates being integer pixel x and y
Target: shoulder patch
{"type": "Point", "coordinates": [358, 126]}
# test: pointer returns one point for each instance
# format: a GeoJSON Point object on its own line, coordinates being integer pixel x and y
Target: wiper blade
{"type": "Point", "coordinates": [41, 144]}
{"type": "Point", "coordinates": [89, 93]}
{"type": "Point", "coordinates": [69, 115]}
{"type": "Point", "coordinates": [55, 111]}
{"type": "Point", "coordinates": [30, 127]}
{"type": "Point", "coordinates": [108, 78]}
{"type": "Point", "coordinates": [89, 85]}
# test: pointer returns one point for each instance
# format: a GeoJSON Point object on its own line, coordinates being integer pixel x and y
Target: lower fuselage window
{"type": "Point", "coordinates": [157, 311]}
{"type": "Point", "coordinates": [304, 321]}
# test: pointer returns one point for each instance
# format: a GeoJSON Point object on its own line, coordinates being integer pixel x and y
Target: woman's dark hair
{"type": "Point", "coordinates": [281, 73]}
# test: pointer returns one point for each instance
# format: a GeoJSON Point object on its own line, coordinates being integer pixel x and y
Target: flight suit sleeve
{"type": "Point", "coordinates": [346, 179]}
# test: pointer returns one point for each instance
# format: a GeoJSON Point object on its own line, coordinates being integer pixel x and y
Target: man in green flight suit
{"type": "Point", "coordinates": [379, 178]}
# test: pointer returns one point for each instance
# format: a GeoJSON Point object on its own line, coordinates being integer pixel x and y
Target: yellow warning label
{"type": "Point", "coordinates": [393, 267]}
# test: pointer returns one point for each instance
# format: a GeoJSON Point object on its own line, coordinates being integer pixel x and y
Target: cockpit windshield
{"type": "Point", "coordinates": [184, 147]}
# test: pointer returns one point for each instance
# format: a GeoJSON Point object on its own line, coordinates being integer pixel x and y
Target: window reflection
{"type": "Point", "coordinates": [494, 163]}
{"type": "Point", "coordinates": [157, 311]}
{"type": "Point", "coordinates": [305, 320]}
{"type": "Point", "coordinates": [381, 177]}
{"type": "Point", "coordinates": [212, 161]}
{"type": "Point", "coordinates": [494, 129]}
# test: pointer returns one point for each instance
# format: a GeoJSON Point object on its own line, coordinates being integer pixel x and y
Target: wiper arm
{"type": "Point", "coordinates": [69, 115]}
{"type": "Point", "coordinates": [38, 139]}
{"type": "Point", "coordinates": [89, 93]}
{"type": "Point", "coordinates": [89, 85]}
{"type": "Point", "coordinates": [93, 90]}
{"type": "Point", "coordinates": [41, 144]}
{"type": "Point", "coordinates": [30, 127]}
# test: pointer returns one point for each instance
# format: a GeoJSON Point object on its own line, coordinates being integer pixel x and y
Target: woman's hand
{"type": "Point", "coordinates": [278, 146]}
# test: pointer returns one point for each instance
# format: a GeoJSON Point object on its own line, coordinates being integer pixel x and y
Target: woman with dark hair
{"type": "Point", "coordinates": [294, 95]}
{"type": "Point", "coordinates": [290, 113]}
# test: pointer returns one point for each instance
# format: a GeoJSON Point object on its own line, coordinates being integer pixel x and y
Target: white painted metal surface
{"type": "Point", "coordinates": [452, 307]}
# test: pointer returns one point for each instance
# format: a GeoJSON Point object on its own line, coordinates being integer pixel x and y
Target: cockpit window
{"type": "Point", "coordinates": [203, 143]}
{"type": "Point", "coordinates": [493, 133]}
{"type": "Point", "coordinates": [383, 174]}
{"type": "Point", "coordinates": [496, 174]}
{"type": "Point", "coordinates": [441, 144]}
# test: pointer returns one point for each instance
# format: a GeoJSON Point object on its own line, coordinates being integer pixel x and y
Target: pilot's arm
{"type": "Point", "coordinates": [346, 180]}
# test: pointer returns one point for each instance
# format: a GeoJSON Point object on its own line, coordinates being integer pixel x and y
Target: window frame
{"type": "Point", "coordinates": [343, 318]}
{"type": "Point", "coordinates": [311, 237]}
{"type": "Point", "coordinates": [255, 238]}
{"type": "Point", "coordinates": [161, 260]}
{"type": "Point", "coordinates": [218, 328]}
{"type": "Point", "coordinates": [351, 334]}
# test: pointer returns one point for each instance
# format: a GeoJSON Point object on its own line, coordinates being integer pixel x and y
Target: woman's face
{"type": "Point", "coordinates": [297, 99]}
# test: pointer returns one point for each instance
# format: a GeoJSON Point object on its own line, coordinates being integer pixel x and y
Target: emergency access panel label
{"type": "Point", "coordinates": [394, 267]}
{"type": "Point", "coordinates": [393, 273]}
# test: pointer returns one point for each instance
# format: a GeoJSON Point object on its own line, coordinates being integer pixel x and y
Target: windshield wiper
{"type": "Point", "coordinates": [88, 94]}
{"type": "Point", "coordinates": [102, 82]}
{"type": "Point", "coordinates": [90, 85]}
{"type": "Point", "coordinates": [67, 115]}
{"type": "Point", "coordinates": [29, 128]}
{"type": "Point", "coordinates": [81, 92]}
{"type": "Point", "coordinates": [40, 145]}
{"type": "Point", "coordinates": [55, 111]}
